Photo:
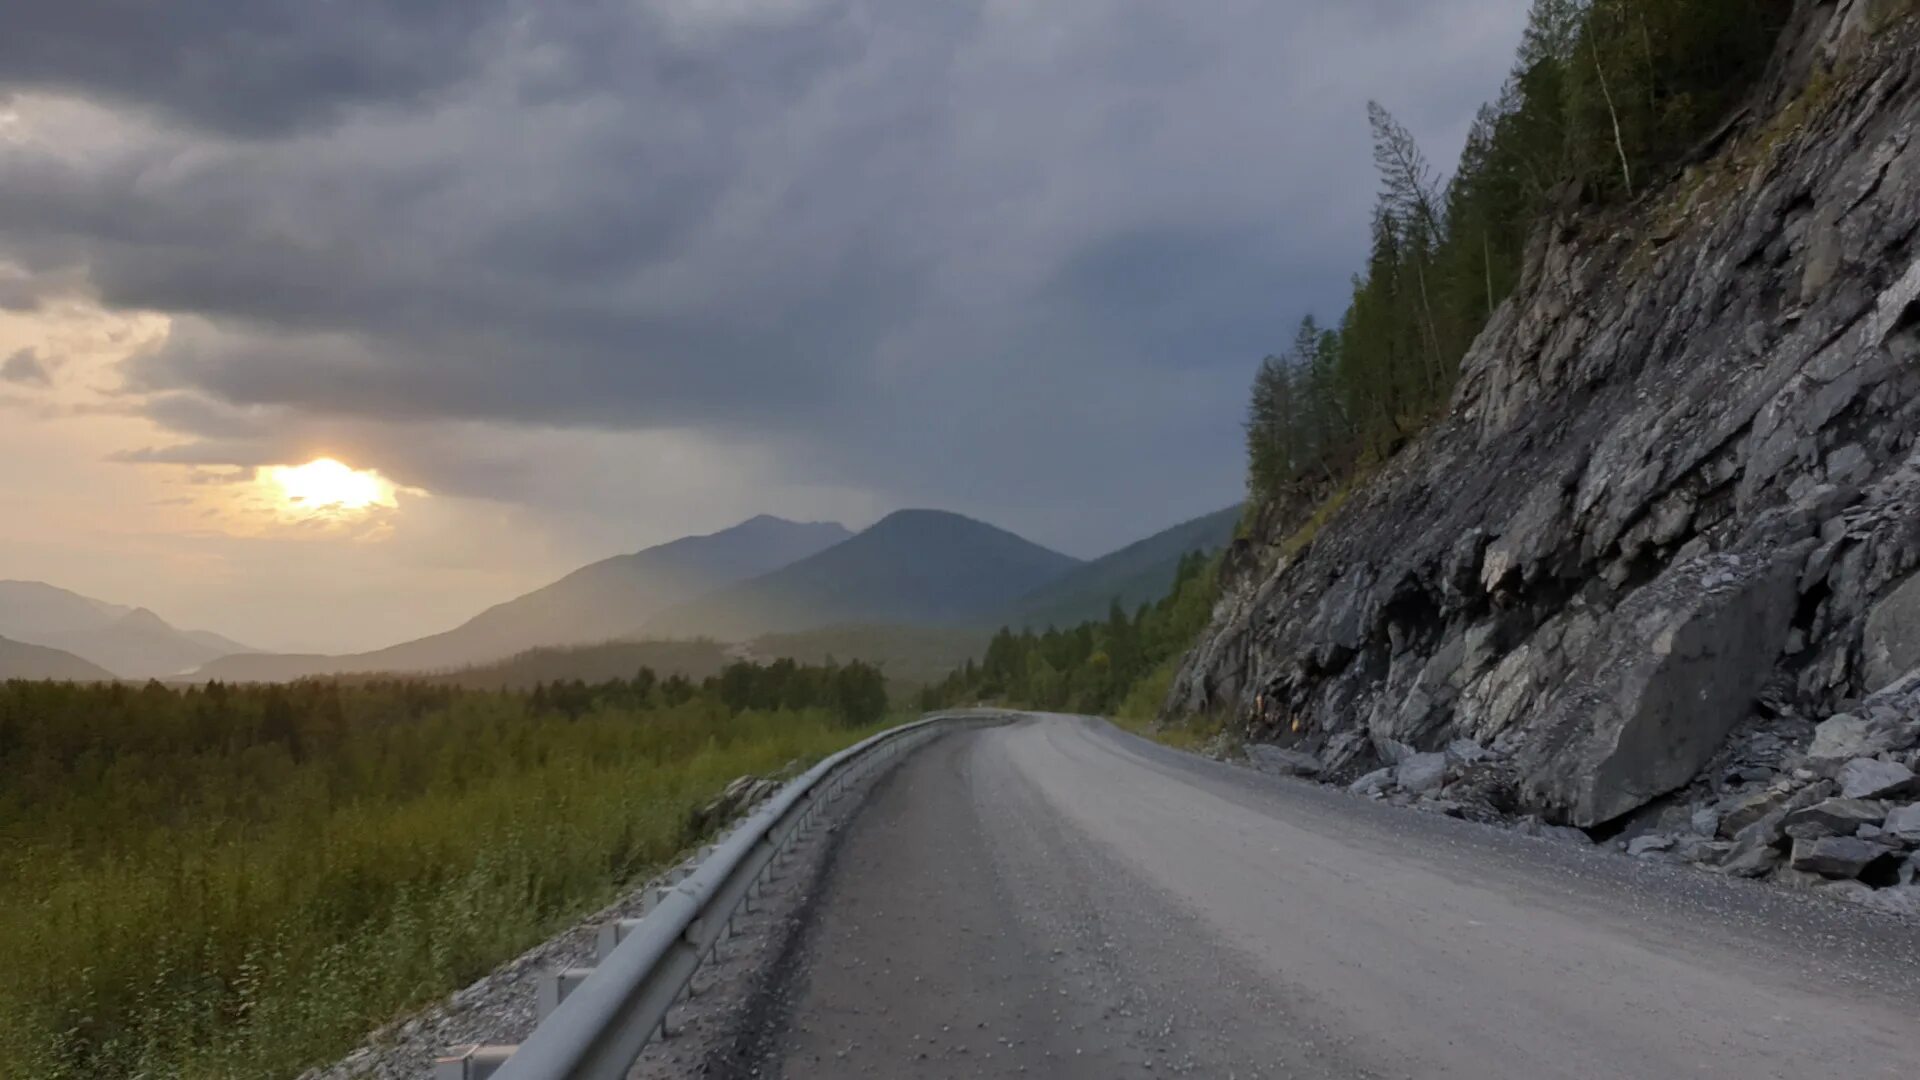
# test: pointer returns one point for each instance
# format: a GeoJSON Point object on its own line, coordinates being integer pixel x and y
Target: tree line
{"type": "Point", "coordinates": [1122, 664]}
{"type": "Point", "coordinates": [1605, 98]}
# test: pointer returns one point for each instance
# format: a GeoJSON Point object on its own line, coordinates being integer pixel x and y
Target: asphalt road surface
{"type": "Point", "coordinates": [1057, 898]}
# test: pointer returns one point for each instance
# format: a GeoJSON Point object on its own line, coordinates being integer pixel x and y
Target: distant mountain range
{"type": "Point", "coordinates": [130, 643]}
{"type": "Point", "coordinates": [915, 590]}
{"type": "Point", "coordinates": [19, 660]}
{"type": "Point", "coordinates": [916, 567]}
{"type": "Point", "coordinates": [597, 603]}
{"type": "Point", "coordinates": [1139, 573]}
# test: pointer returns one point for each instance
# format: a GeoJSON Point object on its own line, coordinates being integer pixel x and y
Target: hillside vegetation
{"type": "Point", "coordinates": [242, 881]}
{"type": "Point", "coordinates": [1605, 99]}
{"type": "Point", "coordinates": [1123, 664]}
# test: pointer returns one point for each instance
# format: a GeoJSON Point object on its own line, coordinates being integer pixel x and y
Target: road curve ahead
{"type": "Point", "coordinates": [1056, 898]}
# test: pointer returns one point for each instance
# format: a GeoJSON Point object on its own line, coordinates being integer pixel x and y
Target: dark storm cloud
{"type": "Point", "coordinates": [867, 234]}
{"type": "Point", "coordinates": [248, 67]}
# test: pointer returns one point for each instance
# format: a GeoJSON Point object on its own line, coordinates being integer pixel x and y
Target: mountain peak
{"type": "Point", "coordinates": [143, 619]}
{"type": "Point", "coordinates": [913, 567]}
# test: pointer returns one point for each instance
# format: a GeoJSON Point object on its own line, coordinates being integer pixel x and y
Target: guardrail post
{"type": "Point", "coordinates": [472, 1061]}
{"type": "Point", "coordinates": [611, 935]}
{"type": "Point", "coordinates": [555, 986]}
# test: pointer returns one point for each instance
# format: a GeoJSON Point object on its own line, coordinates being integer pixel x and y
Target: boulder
{"type": "Point", "coordinates": [1748, 809]}
{"type": "Point", "coordinates": [1753, 853]}
{"type": "Point", "coordinates": [1422, 774]}
{"type": "Point", "coordinates": [1755, 848]}
{"type": "Point", "coordinates": [1282, 762]}
{"type": "Point", "coordinates": [1903, 824]}
{"type": "Point", "coordinates": [1835, 856]}
{"type": "Point", "coordinates": [1843, 737]}
{"type": "Point", "coordinates": [1679, 664]}
{"type": "Point", "coordinates": [1890, 647]}
{"type": "Point", "coordinates": [1834, 817]}
{"type": "Point", "coordinates": [1868, 778]}
{"type": "Point", "coordinates": [1374, 783]}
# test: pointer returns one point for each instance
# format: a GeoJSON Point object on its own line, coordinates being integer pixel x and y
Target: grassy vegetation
{"type": "Point", "coordinates": [227, 882]}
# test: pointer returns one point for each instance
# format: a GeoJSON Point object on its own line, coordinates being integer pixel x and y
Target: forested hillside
{"type": "Point", "coordinates": [1123, 663]}
{"type": "Point", "coordinates": [241, 881]}
{"type": "Point", "coordinates": [1606, 100]}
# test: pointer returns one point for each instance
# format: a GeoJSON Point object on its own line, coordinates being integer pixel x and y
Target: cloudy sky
{"type": "Point", "coordinates": [577, 277]}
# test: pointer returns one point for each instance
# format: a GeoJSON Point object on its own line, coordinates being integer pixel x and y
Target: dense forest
{"type": "Point", "coordinates": [1606, 99]}
{"type": "Point", "coordinates": [1121, 665]}
{"type": "Point", "coordinates": [243, 880]}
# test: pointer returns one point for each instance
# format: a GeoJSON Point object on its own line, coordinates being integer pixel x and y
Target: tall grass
{"type": "Point", "coordinates": [215, 899]}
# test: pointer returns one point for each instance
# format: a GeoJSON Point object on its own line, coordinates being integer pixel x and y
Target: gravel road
{"type": "Point", "coordinates": [1056, 898]}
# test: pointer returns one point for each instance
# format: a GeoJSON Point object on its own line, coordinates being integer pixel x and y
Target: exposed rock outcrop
{"type": "Point", "coordinates": [1676, 496]}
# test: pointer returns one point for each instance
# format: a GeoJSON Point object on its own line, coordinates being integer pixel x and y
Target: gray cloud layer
{"type": "Point", "coordinates": [1013, 257]}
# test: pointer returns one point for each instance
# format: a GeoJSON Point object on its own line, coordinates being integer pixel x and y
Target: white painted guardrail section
{"type": "Point", "coordinates": [595, 1021]}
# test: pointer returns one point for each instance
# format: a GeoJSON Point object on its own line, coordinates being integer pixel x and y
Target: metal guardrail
{"type": "Point", "coordinates": [602, 1017]}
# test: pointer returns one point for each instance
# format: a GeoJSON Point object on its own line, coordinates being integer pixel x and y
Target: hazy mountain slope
{"type": "Point", "coordinates": [34, 609]}
{"type": "Point", "coordinates": [19, 660]}
{"type": "Point", "coordinates": [138, 645]}
{"type": "Point", "coordinates": [131, 642]}
{"type": "Point", "coordinates": [914, 567]}
{"type": "Point", "coordinates": [595, 603]}
{"type": "Point", "coordinates": [1137, 574]}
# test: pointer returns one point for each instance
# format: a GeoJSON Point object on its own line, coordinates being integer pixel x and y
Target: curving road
{"type": "Point", "coordinates": [1057, 898]}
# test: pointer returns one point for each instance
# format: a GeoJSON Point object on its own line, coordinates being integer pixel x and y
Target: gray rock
{"type": "Point", "coordinates": [1282, 762]}
{"type": "Point", "coordinates": [1422, 774]}
{"type": "Point", "coordinates": [1705, 821]}
{"type": "Point", "coordinates": [1834, 817]}
{"type": "Point", "coordinates": [1683, 660]}
{"type": "Point", "coordinates": [1374, 783]}
{"type": "Point", "coordinates": [1903, 824]}
{"type": "Point", "coordinates": [1748, 809]}
{"type": "Point", "coordinates": [1899, 900]}
{"type": "Point", "coordinates": [1845, 736]}
{"type": "Point", "coordinates": [1835, 856]}
{"type": "Point", "coordinates": [1868, 778]}
{"type": "Point", "coordinates": [1890, 647]}
{"type": "Point", "coordinates": [1854, 891]}
{"type": "Point", "coordinates": [1752, 855]}
{"type": "Point", "coordinates": [1700, 849]}
{"type": "Point", "coordinates": [1646, 845]}
{"type": "Point", "coordinates": [1467, 752]}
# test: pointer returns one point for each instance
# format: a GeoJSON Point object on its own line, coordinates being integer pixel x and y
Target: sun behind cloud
{"type": "Point", "coordinates": [324, 487]}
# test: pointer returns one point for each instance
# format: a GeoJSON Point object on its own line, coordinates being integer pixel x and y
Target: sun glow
{"type": "Point", "coordinates": [325, 486]}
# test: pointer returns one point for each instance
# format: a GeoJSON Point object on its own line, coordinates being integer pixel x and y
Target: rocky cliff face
{"type": "Point", "coordinates": [1675, 504]}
